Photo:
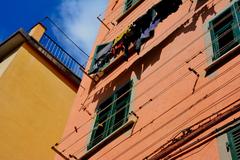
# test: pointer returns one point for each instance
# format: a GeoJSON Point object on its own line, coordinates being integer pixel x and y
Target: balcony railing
{"type": "Point", "coordinates": [61, 55]}
{"type": "Point", "coordinates": [63, 49]}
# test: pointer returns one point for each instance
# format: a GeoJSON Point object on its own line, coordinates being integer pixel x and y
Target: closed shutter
{"type": "Point", "coordinates": [111, 114]}
{"type": "Point", "coordinates": [121, 108]}
{"type": "Point", "coordinates": [101, 126]}
{"type": "Point", "coordinates": [234, 142]}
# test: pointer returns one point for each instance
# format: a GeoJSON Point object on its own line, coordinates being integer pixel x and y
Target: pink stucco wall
{"type": "Point", "coordinates": [163, 95]}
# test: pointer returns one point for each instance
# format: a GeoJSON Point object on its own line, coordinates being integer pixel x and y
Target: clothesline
{"type": "Point", "coordinates": [139, 32]}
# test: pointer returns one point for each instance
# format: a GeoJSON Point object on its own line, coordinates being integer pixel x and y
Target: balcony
{"type": "Point", "coordinates": [62, 49]}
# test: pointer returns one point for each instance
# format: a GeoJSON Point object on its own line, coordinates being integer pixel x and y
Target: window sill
{"type": "Point", "coordinates": [128, 125]}
{"type": "Point", "coordinates": [126, 13]}
{"type": "Point", "coordinates": [222, 60]}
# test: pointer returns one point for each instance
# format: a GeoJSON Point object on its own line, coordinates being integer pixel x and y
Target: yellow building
{"type": "Point", "coordinates": [36, 92]}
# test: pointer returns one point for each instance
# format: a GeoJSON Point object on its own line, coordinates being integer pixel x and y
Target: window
{"type": "Point", "coordinates": [129, 4]}
{"type": "Point", "coordinates": [224, 30]}
{"type": "Point", "coordinates": [111, 114]}
{"type": "Point", "coordinates": [101, 58]}
{"type": "Point", "coordinates": [234, 142]}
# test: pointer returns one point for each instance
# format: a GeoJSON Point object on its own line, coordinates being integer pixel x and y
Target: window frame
{"type": "Point", "coordinates": [109, 126]}
{"type": "Point", "coordinates": [98, 49]}
{"type": "Point", "coordinates": [216, 50]}
{"type": "Point", "coordinates": [217, 62]}
{"type": "Point", "coordinates": [231, 142]}
{"type": "Point", "coordinates": [126, 7]}
{"type": "Point", "coordinates": [125, 12]}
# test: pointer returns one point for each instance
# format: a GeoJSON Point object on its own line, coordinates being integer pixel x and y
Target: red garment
{"type": "Point", "coordinates": [117, 48]}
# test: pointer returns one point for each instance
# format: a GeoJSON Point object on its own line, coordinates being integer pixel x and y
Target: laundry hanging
{"type": "Point", "coordinates": [139, 32]}
{"type": "Point", "coordinates": [147, 32]}
{"type": "Point", "coordinates": [157, 13]}
{"type": "Point", "coordinates": [105, 51]}
{"type": "Point", "coordinates": [102, 57]}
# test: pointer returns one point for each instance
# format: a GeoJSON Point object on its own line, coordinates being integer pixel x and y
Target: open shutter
{"type": "Point", "coordinates": [224, 30]}
{"type": "Point", "coordinates": [98, 53]}
{"type": "Point", "coordinates": [234, 142]}
{"type": "Point", "coordinates": [237, 20]}
{"type": "Point", "coordinates": [129, 4]}
{"type": "Point", "coordinates": [214, 39]}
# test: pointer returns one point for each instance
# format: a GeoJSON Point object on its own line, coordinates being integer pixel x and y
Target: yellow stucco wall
{"type": "Point", "coordinates": [34, 105]}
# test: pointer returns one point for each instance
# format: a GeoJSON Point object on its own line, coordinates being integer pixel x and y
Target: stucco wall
{"type": "Point", "coordinates": [4, 64]}
{"type": "Point", "coordinates": [167, 95]}
{"type": "Point", "coordinates": [35, 105]}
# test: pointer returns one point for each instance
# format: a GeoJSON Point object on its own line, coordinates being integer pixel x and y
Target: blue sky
{"type": "Point", "coordinates": [76, 17]}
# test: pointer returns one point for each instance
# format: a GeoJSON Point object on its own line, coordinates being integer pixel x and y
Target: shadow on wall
{"type": "Point", "coordinates": [153, 56]}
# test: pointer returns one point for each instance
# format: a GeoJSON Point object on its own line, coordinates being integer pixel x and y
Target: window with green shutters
{"type": "Point", "coordinates": [111, 114]}
{"type": "Point", "coordinates": [225, 31]}
{"type": "Point", "coordinates": [97, 50]}
{"type": "Point", "coordinates": [129, 4]}
{"type": "Point", "coordinates": [234, 142]}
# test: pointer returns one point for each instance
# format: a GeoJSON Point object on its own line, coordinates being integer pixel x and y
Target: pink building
{"type": "Point", "coordinates": [165, 84]}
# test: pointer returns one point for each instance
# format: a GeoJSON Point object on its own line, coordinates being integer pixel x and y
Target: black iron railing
{"type": "Point", "coordinates": [61, 55]}
{"type": "Point", "coordinates": [63, 48]}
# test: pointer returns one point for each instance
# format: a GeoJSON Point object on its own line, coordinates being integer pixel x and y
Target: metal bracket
{"type": "Point", "coordinates": [103, 23]}
{"type": "Point", "coordinates": [59, 153]}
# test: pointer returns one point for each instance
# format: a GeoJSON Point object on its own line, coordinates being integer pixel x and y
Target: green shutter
{"type": "Point", "coordinates": [224, 30]}
{"type": "Point", "coordinates": [237, 21]}
{"type": "Point", "coordinates": [214, 39]}
{"type": "Point", "coordinates": [98, 48]}
{"type": "Point", "coordinates": [234, 142]}
{"type": "Point", "coordinates": [111, 114]}
{"type": "Point", "coordinates": [237, 10]}
{"type": "Point", "coordinates": [129, 4]}
{"type": "Point", "coordinates": [121, 108]}
{"type": "Point", "coordinates": [101, 125]}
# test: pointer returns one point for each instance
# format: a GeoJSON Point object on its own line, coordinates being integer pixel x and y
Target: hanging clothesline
{"type": "Point", "coordinates": [139, 32]}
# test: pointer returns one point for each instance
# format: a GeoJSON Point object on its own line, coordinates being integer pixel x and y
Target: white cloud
{"type": "Point", "coordinates": [79, 20]}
